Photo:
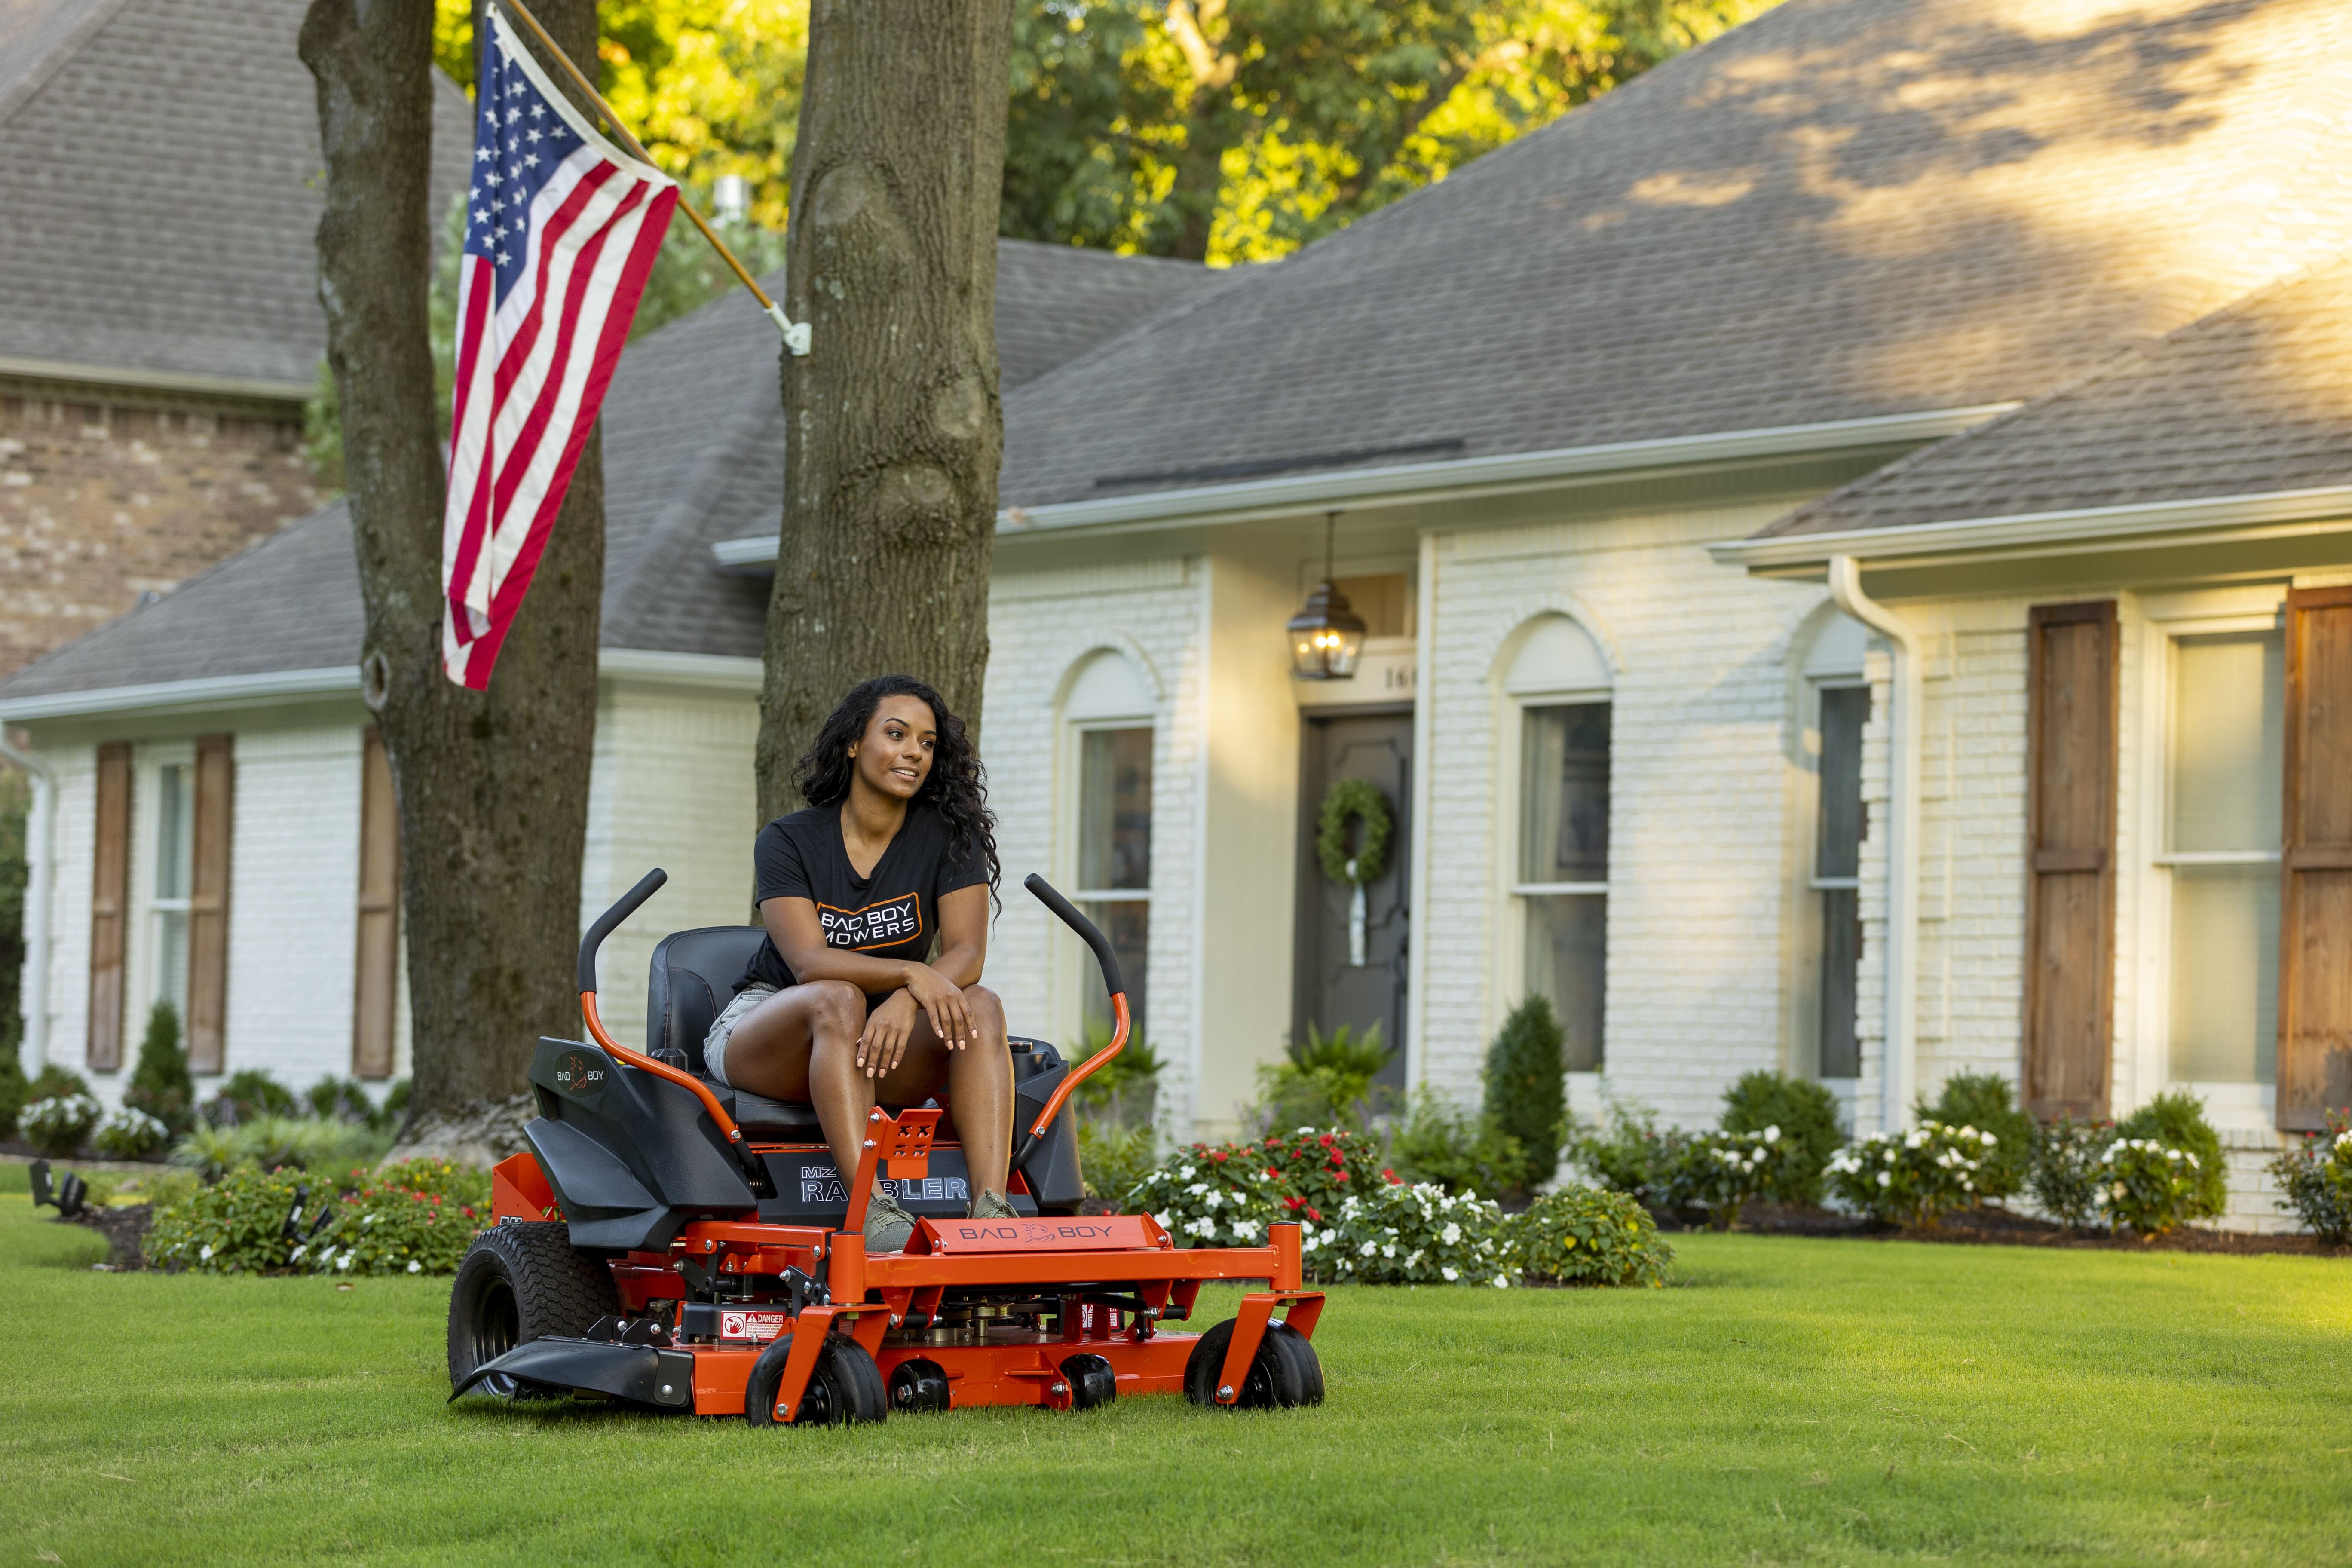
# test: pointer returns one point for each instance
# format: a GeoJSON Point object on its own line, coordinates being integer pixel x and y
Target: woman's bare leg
{"type": "Point", "coordinates": [979, 1087]}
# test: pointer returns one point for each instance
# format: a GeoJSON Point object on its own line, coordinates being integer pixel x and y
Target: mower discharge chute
{"type": "Point", "coordinates": [682, 1246]}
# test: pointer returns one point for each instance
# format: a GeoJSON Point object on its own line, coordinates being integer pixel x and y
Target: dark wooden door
{"type": "Point", "coordinates": [1329, 990]}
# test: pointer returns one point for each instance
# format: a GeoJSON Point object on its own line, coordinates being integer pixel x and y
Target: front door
{"type": "Point", "coordinates": [1331, 989]}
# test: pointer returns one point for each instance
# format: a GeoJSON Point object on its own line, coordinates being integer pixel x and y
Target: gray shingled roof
{"type": "Point", "coordinates": [694, 437]}
{"type": "Point", "coordinates": [156, 168]}
{"type": "Point", "coordinates": [2251, 400]}
{"type": "Point", "coordinates": [1844, 208]}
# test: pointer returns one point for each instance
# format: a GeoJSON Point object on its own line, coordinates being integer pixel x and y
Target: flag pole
{"type": "Point", "coordinates": [796, 333]}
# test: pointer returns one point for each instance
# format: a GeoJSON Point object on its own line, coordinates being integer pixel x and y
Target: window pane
{"type": "Point", "coordinates": [1564, 795]}
{"type": "Point", "coordinates": [174, 831]}
{"type": "Point", "coordinates": [1115, 809]}
{"type": "Point", "coordinates": [1838, 834]}
{"type": "Point", "coordinates": [2224, 973]}
{"type": "Point", "coordinates": [2228, 706]}
{"type": "Point", "coordinates": [1127, 923]}
{"type": "Point", "coordinates": [1568, 936]}
{"type": "Point", "coordinates": [172, 959]}
{"type": "Point", "coordinates": [1841, 1052]}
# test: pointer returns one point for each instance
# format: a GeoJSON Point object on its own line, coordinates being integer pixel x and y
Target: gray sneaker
{"type": "Point", "coordinates": [888, 1225]}
{"type": "Point", "coordinates": [993, 1205]}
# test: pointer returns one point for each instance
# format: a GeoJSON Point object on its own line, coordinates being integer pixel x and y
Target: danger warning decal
{"type": "Point", "coordinates": [876, 925]}
{"type": "Point", "coordinates": [750, 1324]}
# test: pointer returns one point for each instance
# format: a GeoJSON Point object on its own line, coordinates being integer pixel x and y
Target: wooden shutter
{"type": "Point", "coordinates": [208, 903]}
{"type": "Point", "coordinates": [375, 995]}
{"type": "Point", "coordinates": [2314, 1012]}
{"type": "Point", "coordinates": [2070, 905]}
{"type": "Point", "coordinates": [109, 899]}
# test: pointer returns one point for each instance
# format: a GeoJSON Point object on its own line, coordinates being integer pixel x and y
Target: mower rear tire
{"type": "Point", "coordinates": [515, 1283]}
{"type": "Point", "coordinates": [845, 1387]}
{"type": "Point", "coordinates": [1092, 1381]}
{"type": "Point", "coordinates": [1278, 1378]}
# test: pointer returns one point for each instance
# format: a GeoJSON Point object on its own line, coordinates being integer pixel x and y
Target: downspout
{"type": "Point", "coordinates": [40, 872]}
{"type": "Point", "coordinates": [1899, 1080]}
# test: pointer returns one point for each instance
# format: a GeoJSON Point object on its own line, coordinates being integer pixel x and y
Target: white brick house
{"type": "Point", "coordinates": [1706, 494]}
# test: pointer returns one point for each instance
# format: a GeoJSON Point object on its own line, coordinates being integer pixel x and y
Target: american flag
{"type": "Point", "coordinates": [560, 232]}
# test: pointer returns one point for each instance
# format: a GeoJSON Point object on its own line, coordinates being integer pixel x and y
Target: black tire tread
{"type": "Point", "coordinates": [558, 1288]}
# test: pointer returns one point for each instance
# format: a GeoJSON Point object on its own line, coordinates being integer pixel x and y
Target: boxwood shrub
{"type": "Point", "coordinates": [1588, 1236]}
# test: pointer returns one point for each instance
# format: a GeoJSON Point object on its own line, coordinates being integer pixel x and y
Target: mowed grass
{"type": "Point", "coordinates": [1786, 1401]}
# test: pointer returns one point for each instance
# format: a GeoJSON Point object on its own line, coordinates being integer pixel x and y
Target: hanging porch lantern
{"type": "Point", "coordinates": [1327, 638]}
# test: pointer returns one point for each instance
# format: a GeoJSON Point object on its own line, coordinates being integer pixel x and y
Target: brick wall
{"type": "Point", "coordinates": [99, 505]}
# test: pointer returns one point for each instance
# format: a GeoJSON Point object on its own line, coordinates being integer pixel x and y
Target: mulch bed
{"type": "Point", "coordinates": [125, 1227]}
{"type": "Point", "coordinates": [1998, 1228]}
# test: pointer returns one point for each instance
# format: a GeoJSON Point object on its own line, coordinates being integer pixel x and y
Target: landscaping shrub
{"type": "Point", "coordinates": [1123, 1090]}
{"type": "Point", "coordinates": [1631, 1155]}
{"type": "Point", "coordinates": [1327, 1081]}
{"type": "Point", "coordinates": [393, 1111]}
{"type": "Point", "coordinates": [461, 1184]}
{"type": "Point", "coordinates": [2176, 1120]}
{"type": "Point", "coordinates": [1585, 1235]}
{"type": "Point", "coordinates": [1113, 1159]}
{"type": "Point", "coordinates": [2316, 1180]}
{"type": "Point", "coordinates": [160, 1084]}
{"type": "Point", "coordinates": [390, 1229]}
{"type": "Point", "coordinates": [248, 1095]}
{"type": "Point", "coordinates": [1438, 1142]}
{"type": "Point", "coordinates": [1526, 1089]}
{"type": "Point", "coordinates": [55, 1082]}
{"type": "Point", "coordinates": [1807, 1115]}
{"type": "Point", "coordinates": [422, 1212]}
{"type": "Point", "coordinates": [161, 1186]}
{"type": "Point", "coordinates": [1718, 1171]}
{"type": "Point", "coordinates": [1213, 1198]}
{"type": "Point", "coordinates": [2151, 1189]}
{"type": "Point", "coordinates": [1912, 1178]}
{"type": "Point", "coordinates": [1420, 1235]}
{"type": "Point", "coordinates": [129, 1134]}
{"type": "Point", "coordinates": [2064, 1173]}
{"type": "Point", "coordinates": [1985, 1099]}
{"type": "Point", "coordinates": [333, 1098]}
{"type": "Point", "coordinates": [60, 1124]}
{"type": "Point", "coordinates": [268, 1141]}
{"type": "Point", "coordinates": [236, 1226]}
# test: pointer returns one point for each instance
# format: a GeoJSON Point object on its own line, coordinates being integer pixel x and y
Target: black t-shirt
{"type": "Point", "coordinates": [894, 913]}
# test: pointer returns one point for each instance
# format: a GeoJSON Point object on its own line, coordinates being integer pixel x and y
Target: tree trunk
{"type": "Point", "coordinates": [896, 430]}
{"type": "Point", "coordinates": [492, 786]}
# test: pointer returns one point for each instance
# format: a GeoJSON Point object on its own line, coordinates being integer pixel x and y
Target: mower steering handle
{"type": "Point", "coordinates": [1087, 931]}
{"type": "Point", "coordinates": [631, 902]}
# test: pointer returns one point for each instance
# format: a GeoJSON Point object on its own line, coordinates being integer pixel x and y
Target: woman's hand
{"type": "Point", "coordinates": [888, 1027]}
{"type": "Point", "coordinates": [942, 1000]}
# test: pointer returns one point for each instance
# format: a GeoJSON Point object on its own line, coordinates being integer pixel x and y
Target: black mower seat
{"type": "Point", "coordinates": [766, 1119]}
{"type": "Point", "coordinates": [694, 975]}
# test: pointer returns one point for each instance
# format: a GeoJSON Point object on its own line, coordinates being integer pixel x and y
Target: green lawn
{"type": "Point", "coordinates": [1788, 1401]}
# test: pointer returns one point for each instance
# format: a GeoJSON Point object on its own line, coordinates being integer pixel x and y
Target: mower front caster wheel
{"type": "Point", "coordinates": [844, 1386]}
{"type": "Point", "coordinates": [1286, 1372]}
{"type": "Point", "coordinates": [1092, 1381]}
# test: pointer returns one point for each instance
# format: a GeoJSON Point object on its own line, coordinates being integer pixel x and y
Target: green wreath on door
{"type": "Point", "coordinates": [1359, 805]}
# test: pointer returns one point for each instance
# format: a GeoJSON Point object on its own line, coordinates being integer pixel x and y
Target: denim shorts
{"type": "Point", "coordinates": [714, 1043]}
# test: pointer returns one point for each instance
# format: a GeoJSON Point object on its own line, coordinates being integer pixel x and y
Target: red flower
{"type": "Point", "coordinates": [1219, 1155]}
{"type": "Point", "coordinates": [1294, 1203]}
{"type": "Point", "coordinates": [1394, 1180]}
{"type": "Point", "coordinates": [1327, 1139]}
{"type": "Point", "coordinates": [1274, 1175]}
{"type": "Point", "coordinates": [1338, 1175]}
{"type": "Point", "coordinates": [1315, 1214]}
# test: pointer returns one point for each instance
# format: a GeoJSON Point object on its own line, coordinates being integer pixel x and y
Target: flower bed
{"type": "Point", "coordinates": [1420, 1235]}
{"type": "Point", "coordinates": [1911, 1178]}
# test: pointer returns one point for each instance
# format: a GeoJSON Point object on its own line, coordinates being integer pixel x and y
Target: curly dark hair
{"type": "Point", "coordinates": [957, 785]}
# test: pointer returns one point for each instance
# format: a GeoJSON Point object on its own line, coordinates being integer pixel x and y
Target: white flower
{"type": "Point", "coordinates": [1772, 1134]}
{"type": "Point", "coordinates": [1885, 1179]}
{"type": "Point", "coordinates": [345, 1260]}
{"type": "Point", "coordinates": [296, 1255]}
{"type": "Point", "coordinates": [207, 1255]}
{"type": "Point", "coordinates": [414, 1267]}
{"type": "Point", "coordinates": [1368, 1247]}
{"type": "Point", "coordinates": [2120, 1190]}
{"type": "Point", "coordinates": [1306, 1132]}
{"type": "Point", "coordinates": [1450, 1273]}
{"type": "Point", "coordinates": [1451, 1234]}
{"type": "Point", "coordinates": [1164, 1221]}
{"type": "Point", "coordinates": [1988, 1137]}
{"type": "Point", "coordinates": [1185, 1175]}
{"type": "Point", "coordinates": [1414, 1261]}
{"type": "Point", "coordinates": [1246, 1226]}
{"type": "Point", "coordinates": [1210, 1200]}
{"type": "Point", "coordinates": [1204, 1227]}
{"type": "Point", "coordinates": [1329, 1236]}
{"type": "Point", "coordinates": [1197, 1188]}
{"type": "Point", "coordinates": [1502, 1281]}
{"type": "Point", "coordinates": [1388, 1250]}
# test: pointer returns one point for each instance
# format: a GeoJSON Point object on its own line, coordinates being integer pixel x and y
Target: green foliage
{"type": "Point", "coordinates": [1806, 1114]}
{"type": "Point", "coordinates": [1352, 832]}
{"type": "Point", "coordinates": [161, 1186]}
{"type": "Point", "coordinates": [395, 1110]}
{"type": "Point", "coordinates": [460, 1185]}
{"type": "Point", "coordinates": [2176, 1120]}
{"type": "Point", "coordinates": [1984, 1099]}
{"type": "Point", "coordinates": [1629, 1154]}
{"type": "Point", "coordinates": [267, 1142]}
{"type": "Point", "coordinates": [1439, 1143]}
{"type": "Point", "coordinates": [1719, 1171]}
{"type": "Point", "coordinates": [411, 1218]}
{"type": "Point", "coordinates": [1113, 1159]}
{"type": "Point", "coordinates": [1912, 1178]}
{"type": "Point", "coordinates": [59, 1124]}
{"type": "Point", "coordinates": [2315, 1180]}
{"type": "Point", "coordinates": [1327, 1081]}
{"type": "Point", "coordinates": [1588, 1236]}
{"type": "Point", "coordinates": [247, 1095]}
{"type": "Point", "coordinates": [160, 1085]}
{"type": "Point", "coordinates": [1227, 1194]}
{"type": "Point", "coordinates": [54, 1082]}
{"type": "Point", "coordinates": [1420, 1235]}
{"type": "Point", "coordinates": [236, 1226]}
{"type": "Point", "coordinates": [2064, 1173]}
{"type": "Point", "coordinates": [1527, 1088]}
{"type": "Point", "coordinates": [1315, 1169]}
{"type": "Point", "coordinates": [1123, 1089]}
{"type": "Point", "coordinates": [390, 1229]}
{"type": "Point", "coordinates": [333, 1098]}
{"type": "Point", "coordinates": [129, 1134]}
{"type": "Point", "coordinates": [13, 1087]}
{"type": "Point", "coordinates": [2149, 1189]}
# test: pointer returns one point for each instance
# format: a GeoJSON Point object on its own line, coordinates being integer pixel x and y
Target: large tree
{"type": "Point", "coordinates": [492, 786]}
{"type": "Point", "coordinates": [894, 426]}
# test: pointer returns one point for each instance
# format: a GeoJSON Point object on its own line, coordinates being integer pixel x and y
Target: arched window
{"type": "Point", "coordinates": [1108, 721]}
{"type": "Point", "coordinates": [1556, 684]}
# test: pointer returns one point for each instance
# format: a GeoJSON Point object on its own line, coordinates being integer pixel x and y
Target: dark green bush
{"type": "Point", "coordinates": [1326, 1081]}
{"type": "Point", "coordinates": [1439, 1142]}
{"type": "Point", "coordinates": [248, 1095]}
{"type": "Point", "coordinates": [1527, 1086]}
{"type": "Point", "coordinates": [2065, 1171]}
{"type": "Point", "coordinates": [2315, 1180]}
{"type": "Point", "coordinates": [333, 1098]}
{"type": "Point", "coordinates": [1584, 1236]}
{"type": "Point", "coordinates": [1807, 1115]}
{"type": "Point", "coordinates": [2176, 1119]}
{"type": "Point", "coordinates": [1983, 1100]}
{"type": "Point", "coordinates": [54, 1082]}
{"type": "Point", "coordinates": [160, 1084]}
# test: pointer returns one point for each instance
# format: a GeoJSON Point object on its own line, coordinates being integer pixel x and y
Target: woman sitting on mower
{"type": "Point", "coordinates": [875, 900]}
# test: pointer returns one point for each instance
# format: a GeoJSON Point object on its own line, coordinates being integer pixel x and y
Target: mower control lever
{"type": "Point", "coordinates": [1093, 937]}
{"type": "Point", "coordinates": [631, 902]}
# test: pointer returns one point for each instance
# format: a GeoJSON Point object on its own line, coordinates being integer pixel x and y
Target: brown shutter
{"type": "Point", "coordinates": [2315, 1013]}
{"type": "Point", "coordinates": [110, 897]}
{"type": "Point", "coordinates": [375, 994]}
{"type": "Point", "coordinates": [208, 903]}
{"type": "Point", "coordinates": [2070, 905]}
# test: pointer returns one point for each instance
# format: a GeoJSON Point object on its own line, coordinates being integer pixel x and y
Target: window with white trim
{"type": "Point", "coordinates": [1557, 684]}
{"type": "Point", "coordinates": [1838, 822]}
{"type": "Point", "coordinates": [174, 877]}
{"type": "Point", "coordinates": [1108, 713]}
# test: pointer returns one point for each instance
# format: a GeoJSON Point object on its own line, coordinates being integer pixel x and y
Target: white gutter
{"type": "Point", "coordinates": [41, 869]}
{"type": "Point", "coordinates": [1424, 756]}
{"type": "Point", "coordinates": [2322, 511]}
{"type": "Point", "coordinates": [1404, 483]}
{"type": "Point", "coordinates": [154, 380]}
{"type": "Point", "coordinates": [213, 691]}
{"type": "Point", "coordinates": [1898, 1080]}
